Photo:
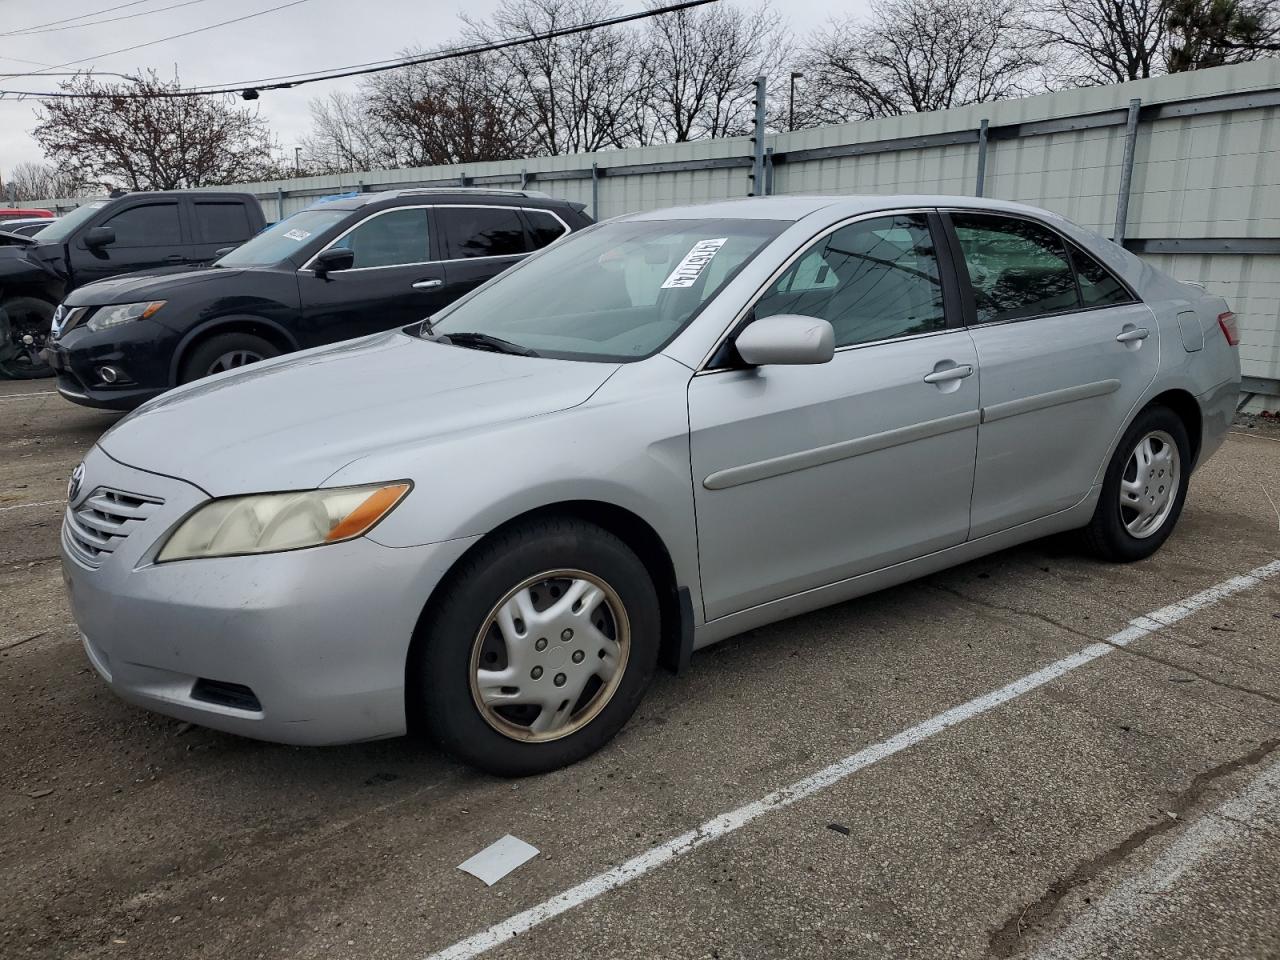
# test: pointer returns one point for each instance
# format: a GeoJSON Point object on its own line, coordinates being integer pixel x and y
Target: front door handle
{"type": "Point", "coordinates": [427, 284]}
{"type": "Point", "coordinates": [958, 372]}
{"type": "Point", "coordinates": [1129, 336]}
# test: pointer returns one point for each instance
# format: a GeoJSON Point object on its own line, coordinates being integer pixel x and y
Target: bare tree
{"type": "Point", "coordinates": [140, 136]}
{"type": "Point", "coordinates": [1105, 41]}
{"type": "Point", "coordinates": [917, 55]}
{"type": "Point", "coordinates": [703, 62]}
{"type": "Point", "coordinates": [43, 181]}
{"type": "Point", "coordinates": [345, 137]}
{"type": "Point", "coordinates": [573, 93]}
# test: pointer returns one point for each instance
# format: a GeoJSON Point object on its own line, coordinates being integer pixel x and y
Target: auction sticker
{"type": "Point", "coordinates": [296, 234]}
{"type": "Point", "coordinates": [695, 261]}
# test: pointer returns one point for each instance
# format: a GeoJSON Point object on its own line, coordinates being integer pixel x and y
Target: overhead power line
{"type": "Point", "coordinates": [152, 43]}
{"type": "Point", "coordinates": [250, 89]}
{"type": "Point", "coordinates": [32, 31]}
{"type": "Point", "coordinates": [82, 16]}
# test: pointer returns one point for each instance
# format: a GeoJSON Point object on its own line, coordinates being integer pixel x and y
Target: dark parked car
{"type": "Point", "coordinates": [105, 238]}
{"type": "Point", "coordinates": [335, 271]}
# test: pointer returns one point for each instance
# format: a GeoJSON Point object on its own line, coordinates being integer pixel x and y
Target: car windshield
{"type": "Point", "coordinates": [59, 230]}
{"type": "Point", "coordinates": [282, 240]}
{"type": "Point", "coordinates": [619, 291]}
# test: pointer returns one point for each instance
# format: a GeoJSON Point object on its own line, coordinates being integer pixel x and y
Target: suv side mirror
{"type": "Point", "coordinates": [786, 338]}
{"type": "Point", "coordinates": [328, 261]}
{"type": "Point", "coordinates": [100, 237]}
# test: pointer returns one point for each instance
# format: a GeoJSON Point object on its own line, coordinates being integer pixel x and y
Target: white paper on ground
{"type": "Point", "coordinates": [498, 859]}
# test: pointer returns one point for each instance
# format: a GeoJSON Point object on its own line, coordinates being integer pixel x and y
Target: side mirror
{"type": "Point", "coordinates": [327, 261]}
{"type": "Point", "coordinates": [100, 237]}
{"type": "Point", "coordinates": [786, 338]}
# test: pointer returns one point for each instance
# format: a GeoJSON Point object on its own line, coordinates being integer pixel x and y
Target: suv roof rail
{"type": "Point", "coordinates": [496, 191]}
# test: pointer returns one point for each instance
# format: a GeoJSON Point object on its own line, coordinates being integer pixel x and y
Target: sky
{"type": "Point", "coordinates": [308, 35]}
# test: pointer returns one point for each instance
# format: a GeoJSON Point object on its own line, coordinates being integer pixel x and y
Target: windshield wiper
{"type": "Point", "coordinates": [483, 341]}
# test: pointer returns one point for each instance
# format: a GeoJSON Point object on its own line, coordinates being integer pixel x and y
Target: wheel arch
{"type": "Point", "coordinates": [268, 330]}
{"type": "Point", "coordinates": [1185, 405]}
{"type": "Point", "coordinates": [675, 608]}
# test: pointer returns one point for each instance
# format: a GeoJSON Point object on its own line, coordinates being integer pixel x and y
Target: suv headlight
{"type": "Point", "coordinates": [271, 522]}
{"type": "Point", "coordinates": [112, 316]}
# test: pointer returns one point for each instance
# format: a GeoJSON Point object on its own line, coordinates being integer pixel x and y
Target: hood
{"type": "Point", "coordinates": [290, 423]}
{"type": "Point", "coordinates": [134, 287]}
{"type": "Point", "coordinates": [29, 262]}
{"type": "Point", "coordinates": [15, 239]}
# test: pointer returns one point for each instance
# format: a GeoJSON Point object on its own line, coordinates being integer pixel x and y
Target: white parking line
{"type": "Point", "coordinates": [24, 396]}
{"type": "Point", "coordinates": [23, 506]}
{"type": "Point", "coordinates": [727, 823]}
{"type": "Point", "coordinates": [1114, 917]}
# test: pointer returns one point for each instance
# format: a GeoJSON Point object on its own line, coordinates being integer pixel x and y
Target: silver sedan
{"type": "Point", "coordinates": [661, 431]}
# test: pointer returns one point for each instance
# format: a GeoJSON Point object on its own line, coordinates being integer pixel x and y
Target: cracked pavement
{"type": "Point", "coordinates": [1092, 815]}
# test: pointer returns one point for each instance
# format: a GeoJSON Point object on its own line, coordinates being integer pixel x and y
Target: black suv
{"type": "Point", "coordinates": [153, 232]}
{"type": "Point", "coordinates": [338, 270]}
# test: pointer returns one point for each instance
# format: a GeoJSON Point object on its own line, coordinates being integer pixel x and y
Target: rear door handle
{"type": "Point", "coordinates": [427, 284]}
{"type": "Point", "coordinates": [958, 372]}
{"type": "Point", "coordinates": [1137, 333]}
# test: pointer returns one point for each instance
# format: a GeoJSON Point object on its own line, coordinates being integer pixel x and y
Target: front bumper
{"type": "Point", "coordinates": [142, 350]}
{"type": "Point", "coordinates": [319, 637]}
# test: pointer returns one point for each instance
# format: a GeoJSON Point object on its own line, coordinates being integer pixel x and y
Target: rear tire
{"type": "Point", "coordinates": [511, 632]}
{"type": "Point", "coordinates": [226, 351]}
{"type": "Point", "coordinates": [1144, 488]}
{"type": "Point", "coordinates": [21, 317]}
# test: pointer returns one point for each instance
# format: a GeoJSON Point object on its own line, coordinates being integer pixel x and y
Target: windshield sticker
{"type": "Point", "coordinates": [296, 234]}
{"type": "Point", "coordinates": [695, 261]}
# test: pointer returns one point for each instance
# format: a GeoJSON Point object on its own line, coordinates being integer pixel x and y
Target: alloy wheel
{"type": "Point", "coordinates": [233, 359]}
{"type": "Point", "coordinates": [550, 655]}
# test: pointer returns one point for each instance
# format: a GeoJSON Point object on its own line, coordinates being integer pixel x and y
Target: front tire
{"type": "Point", "coordinates": [25, 318]}
{"type": "Point", "coordinates": [1144, 488]}
{"type": "Point", "coordinates": [539, 650]}
{"type": "Point", "coordinates": [225, 351]}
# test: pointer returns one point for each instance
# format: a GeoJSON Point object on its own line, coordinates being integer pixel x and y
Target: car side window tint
{"type": "Point", "coordinates": [152, 225]}
{"type": "Point", "coordinates": [222, 222]}
{"type": "Point", "coordinates": [872, 280]}
{"type": "Point", "coordinates": [482, 232]}
{"type": "Point", "coordinates": [1016, 268]}
{"type": "Point", "coordinates": [543, 228]}
{"type": "Point", "coordinates": [1098, 285]}
{"type": "Point", "coordinates": [390, 239]}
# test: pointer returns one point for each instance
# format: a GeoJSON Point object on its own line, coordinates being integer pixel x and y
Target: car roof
{"type": "Point", "coordinates": [792, 208]}
{"type": "Point", "coordinates": [483, 195]}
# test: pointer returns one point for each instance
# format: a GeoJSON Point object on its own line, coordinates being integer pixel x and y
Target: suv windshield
{"type": "Point", "coordinates": [64, 226]}
{"type": "Point", "coordinates": [619, 291]}
{"type": "Point", "coordinates": [282, 240]}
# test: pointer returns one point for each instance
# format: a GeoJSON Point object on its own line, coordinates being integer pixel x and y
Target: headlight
{"type": "Point", "coordinates": [113, 316]}
{"type": "Point", "coordinates": [269, 522]}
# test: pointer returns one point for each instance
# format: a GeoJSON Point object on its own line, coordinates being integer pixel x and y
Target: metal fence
{"type": "Point", "coordinates": [1183, 169]}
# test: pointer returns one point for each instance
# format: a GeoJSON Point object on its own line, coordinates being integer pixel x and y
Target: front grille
{"type": "Point", "coordinates": [67, 318]}
{"type": "Point", "coordinates": [97, 527]}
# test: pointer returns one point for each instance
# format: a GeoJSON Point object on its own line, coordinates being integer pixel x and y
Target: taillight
{"type": "Point", "coordinates": [1227, 321]}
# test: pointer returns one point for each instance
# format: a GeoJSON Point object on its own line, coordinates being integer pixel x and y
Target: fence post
{"type": "Point", "coordinates": [279, 203]}
{"type": "Point", "coordinates": [768, 172]}
{"type": "Point", "coordinates": [982, 157]}
{"type": "Point", "coordinates": [595, 191]}
{"type": "Point", "coordinates": [757, 142]}
{"type": "Point", "coordinates": [1126, 172]}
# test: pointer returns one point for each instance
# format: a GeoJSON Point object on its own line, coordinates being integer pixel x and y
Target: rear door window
{"type": "Point", "coordinates": [481, 232]}
{"type": "Point", "coordinates": [222, 222]}
{"type": "Point", "coordinates": [150, 225]}
{"type": "Point", "coordinates": [1017, 268]}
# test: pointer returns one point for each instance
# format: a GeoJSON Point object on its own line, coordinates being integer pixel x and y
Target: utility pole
{"type": "Point", "coordinates": [297, 160]}
{"type": "Point", "coordinates": [791, 113]}
{"type": "Point", "coordinates": [757, 142]}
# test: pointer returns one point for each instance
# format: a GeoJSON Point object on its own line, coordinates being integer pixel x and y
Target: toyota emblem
{"type": "Point", "coordinates": [73, 485]}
